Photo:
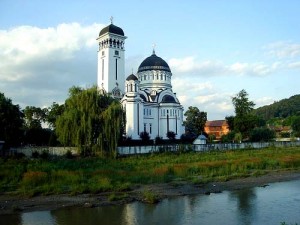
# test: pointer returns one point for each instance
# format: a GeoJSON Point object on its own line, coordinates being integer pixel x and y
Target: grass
{"type": "Point", "coordinates": [31, 177]}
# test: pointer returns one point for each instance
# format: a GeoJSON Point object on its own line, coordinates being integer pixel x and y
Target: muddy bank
{"type": "Point", "coordinates": [14, 204]}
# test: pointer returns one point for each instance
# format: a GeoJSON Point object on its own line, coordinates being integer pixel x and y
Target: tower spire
{"type": "Point", "coordinates": [111, 19]}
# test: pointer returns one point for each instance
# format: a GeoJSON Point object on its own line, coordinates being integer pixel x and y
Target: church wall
{"type": "Point", "coordinates": [134, 119]}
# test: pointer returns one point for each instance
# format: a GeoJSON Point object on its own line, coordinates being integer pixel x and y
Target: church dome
{"type": "Point", "coordinates": [131, 77]}
{"type": "Point", "coordinates": [112, 29]}
{"type": "Point", "coordinates": [154, 62]}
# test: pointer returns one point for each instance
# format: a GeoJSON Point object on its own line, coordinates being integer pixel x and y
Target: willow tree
{"type": "Point", "coordinates": [87, 118]}
{"type": "Point", "coordinates": [113, 124]}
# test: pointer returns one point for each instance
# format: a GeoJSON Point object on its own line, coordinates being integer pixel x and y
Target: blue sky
{"type": "Point", "coordinates": [214, 48]}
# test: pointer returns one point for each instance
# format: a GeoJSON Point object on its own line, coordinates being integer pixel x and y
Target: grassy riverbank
{"type": "Point", "coordinates": [29, 177]}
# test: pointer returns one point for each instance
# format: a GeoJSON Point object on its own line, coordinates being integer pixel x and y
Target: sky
{"type": "Point", "coordinates": [214, 48]}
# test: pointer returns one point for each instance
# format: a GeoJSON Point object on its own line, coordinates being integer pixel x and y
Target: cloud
{"type": "Point", "coordinates": [190, 66]}
{"type": "Point", "coordinates": [38, 65]}
{"type": "Point", "coordinates": [294, 65]}
{"type": "Point", "coordinates": [283, 49]}
{"type": "Point", "coordinates": [205, 96]}
{"type": "Point", "coordinates": [263, 101]}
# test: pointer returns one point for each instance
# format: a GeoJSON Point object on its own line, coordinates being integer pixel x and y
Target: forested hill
{"type": "Point", "coordinates": [282, 108]}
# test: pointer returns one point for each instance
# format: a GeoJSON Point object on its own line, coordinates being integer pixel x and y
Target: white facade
{"type": "Point", "coordinates": [147, 97]}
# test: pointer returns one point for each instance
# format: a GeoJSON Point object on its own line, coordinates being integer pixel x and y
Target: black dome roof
{"type": "Point", "coordinates": [112, 29]}
{"type": "Point", "coordinates": [131, 77]}
{"type": "Point", "coordinates": [154, 62]}
{"type": "Point", "coordinates": [168, 99]}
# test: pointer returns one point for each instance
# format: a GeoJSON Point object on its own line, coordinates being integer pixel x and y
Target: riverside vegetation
{"type": "Point", "coordinates": [30, 177]}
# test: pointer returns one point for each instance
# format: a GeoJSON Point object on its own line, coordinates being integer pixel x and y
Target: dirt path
{"type": "Point", "coordinates": [14, 204]}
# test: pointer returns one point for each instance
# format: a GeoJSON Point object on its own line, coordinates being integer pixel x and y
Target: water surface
{"type": "Point", "coordinates": [279, 202]}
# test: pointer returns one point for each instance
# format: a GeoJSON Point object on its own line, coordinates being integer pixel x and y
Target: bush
{"type": "Point", "coordinates": [35, 155]}
{"type": "Point", "coordinates": [171, 135]}
{"type": "Point", "coordinates": [145, 136]}
{"type": "Point", "coordinates": [262, 134]}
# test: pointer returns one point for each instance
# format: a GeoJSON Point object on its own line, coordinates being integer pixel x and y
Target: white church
{"type": "Point", "coordinates": [147, 97]}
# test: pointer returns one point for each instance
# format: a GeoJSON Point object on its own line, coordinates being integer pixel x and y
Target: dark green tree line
{"type": "Point", "coordinates": [11, 122]}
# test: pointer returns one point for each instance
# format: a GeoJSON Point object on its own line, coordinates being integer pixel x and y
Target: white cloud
{"type": "Point", "coordinates": [263, 101]}
{"type": "Point", "coordinates": [190, 66]}
{"type": "Point", "coordinates": [283, 49]}
{"type": "Point", "coordinates": [294, 65]}
{"type": "Point", "coordinates": [38, 65]}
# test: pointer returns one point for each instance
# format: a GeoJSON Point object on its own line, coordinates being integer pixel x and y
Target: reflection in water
{"type": "Point", "coordinates": [246, 204]}
{"type": "Point", "coordinates": [271, 205]}
{"type": "Point", "coordinates": [14, 219]}
{"type": "Point", "coordinates": [78, 216]}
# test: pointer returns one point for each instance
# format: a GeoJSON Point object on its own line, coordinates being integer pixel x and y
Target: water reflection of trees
{"type": "Point", "coordinates": [89, 216]}
{"type": "Point", "coordinates": [10, 219]}
{"type": "Point", "coordinates": [246, 204]}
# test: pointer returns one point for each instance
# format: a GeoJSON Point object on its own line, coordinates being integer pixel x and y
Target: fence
{"type": "Point", "coordinates": [133, 150]}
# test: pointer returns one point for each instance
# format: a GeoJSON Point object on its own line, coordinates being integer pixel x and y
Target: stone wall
{"type": "Point", "coordinates": [59, 151]}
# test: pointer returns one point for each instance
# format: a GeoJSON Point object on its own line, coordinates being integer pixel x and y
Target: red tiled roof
{"type": "Point", "coordinates": [215, 123]}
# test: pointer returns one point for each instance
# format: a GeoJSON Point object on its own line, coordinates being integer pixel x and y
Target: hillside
{"type": "Point", "coordinates": [283, 108]}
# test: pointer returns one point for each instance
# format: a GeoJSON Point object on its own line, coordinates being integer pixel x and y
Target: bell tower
{"type": "Point", "coordinates": [111, 60]}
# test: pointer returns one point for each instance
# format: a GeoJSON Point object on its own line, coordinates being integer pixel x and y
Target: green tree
{"type": "Point", "coordinates": [34, 116]}
{"type": "Point", "coordinates": [244, 120]}
{"type": "Point", "coordinates": [296, 126]}
{"type": "Point", "coordinates": [35, 134]}
{"type": "Point", "coordinates": [195, 120]}
{"type": "Point", "coordinates": [262, 134]}
{"type": "Point", "coordinates": [11, 122]}
{"type": "Point", "coordinates": [242, 105]}
{"type": "Point", "coordinates": [230, 122]}
{"type": "Point", "coordinates": [91, 121]}
{"type": "Point", "coordinates": [54, 111]}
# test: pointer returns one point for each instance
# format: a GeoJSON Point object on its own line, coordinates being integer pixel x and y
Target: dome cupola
{"type": "Point", "coordinates": [112, 29]}
{"type": "Point", "coordinates": [154, 73]}
{"type": "Point", "coordinates": [154, 62]}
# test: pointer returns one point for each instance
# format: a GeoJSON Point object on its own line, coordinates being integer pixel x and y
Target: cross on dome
{"type": "Point", "coordinates": [111, 19]}
{"type": "Point", "coordinates": [153, 46]}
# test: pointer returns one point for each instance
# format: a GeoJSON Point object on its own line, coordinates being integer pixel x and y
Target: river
{"type": "Point", "coordinates": [274, 204]}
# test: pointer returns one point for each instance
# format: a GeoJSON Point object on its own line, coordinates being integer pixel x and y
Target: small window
{"type": "Point", "coordinates": [117, 53]}
{"type": "Point", "coordinates": [103, 53]}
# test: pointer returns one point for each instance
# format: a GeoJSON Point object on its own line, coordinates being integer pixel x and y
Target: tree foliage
{"type": "Point", "coordinates": [54, 111]}
{"type": "Point", "coordinates": [195, 120]}
{"type": "Point", "coordinates": [281, 109]}
{"type": "Point", "coordinates": [296, 126]}
{"type": "Point", "coordinates": [11, 121]}
{"type": "Point", "coordinates": [230, 122]}
{"type": "Point", "coordinates": [34, 116]}
{"type": "Point", "coordinates": [242, 105]}
{"type": "Point", "coordinates": [244, 120]}
{"type": "Point", "coordinates": [262, 134]}
{"type": "Point", "coordinates": [90, 121]}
